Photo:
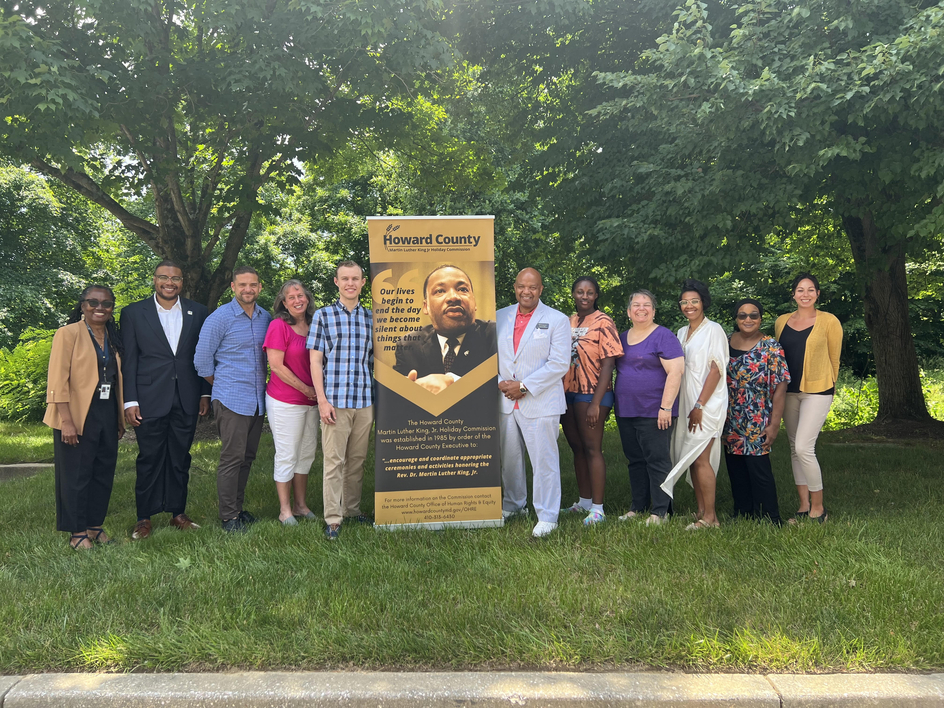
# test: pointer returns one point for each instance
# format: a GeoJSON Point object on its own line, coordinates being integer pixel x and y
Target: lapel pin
{"type": "Point", "coordinates": [189, 312]}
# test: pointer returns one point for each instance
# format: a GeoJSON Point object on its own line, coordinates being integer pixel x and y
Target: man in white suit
{"type": "Point", "coordinates": [533, 356]}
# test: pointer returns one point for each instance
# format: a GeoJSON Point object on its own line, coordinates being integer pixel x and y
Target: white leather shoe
{"type": "Point", "coordinates": [543, 528]}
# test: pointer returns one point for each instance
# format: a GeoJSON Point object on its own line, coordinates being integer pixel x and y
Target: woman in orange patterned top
{"type": "Point", "coordinates": [589, 389]}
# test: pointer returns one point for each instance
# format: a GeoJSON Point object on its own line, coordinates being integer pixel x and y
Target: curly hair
{"type": "Point", "coordinates": [696, 286]}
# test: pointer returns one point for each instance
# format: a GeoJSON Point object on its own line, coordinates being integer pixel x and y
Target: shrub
{"type": "Point", "coordinates": [23, 374]}
{"type": "Point", "coordinates": [856, 400]}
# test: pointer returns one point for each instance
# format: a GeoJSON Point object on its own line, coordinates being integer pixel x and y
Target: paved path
{"type": "Point", "coordinates": [483, 690]}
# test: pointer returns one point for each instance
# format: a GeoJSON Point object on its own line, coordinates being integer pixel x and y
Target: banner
{"type": "Point", "coordinates": [436, 366]}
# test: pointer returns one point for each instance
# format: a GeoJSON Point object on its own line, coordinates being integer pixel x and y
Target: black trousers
{"type": "Point", "coordinates": [163, 463]}
{"type": "Point", "coordinates": [85, 473]}
{"type": "Point", "coordinates": [647, 451]}
{"type": "Point", "coordinates": [753, 486]}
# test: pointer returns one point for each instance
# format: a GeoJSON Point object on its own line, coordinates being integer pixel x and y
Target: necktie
{"type": "Point", "coordinates": [450, 357]}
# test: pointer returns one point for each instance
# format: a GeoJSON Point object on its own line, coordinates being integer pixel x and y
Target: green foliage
{"type": "Point", "coordinates": [856, 399]}
{"type": "Point", "coordinates": [23, 373]}
{"type": "Point", "coordinates": [198, 105]}
{"type": "Point", "coordinates": [42, 234]}
{"type": "Point", "coordinates": [817, 117]}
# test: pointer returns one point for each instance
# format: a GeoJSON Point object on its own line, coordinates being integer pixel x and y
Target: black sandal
{"type": "Point", "coordinates": [76, 541]}
{"type": "Point", "coordinates": [98, 534]}
{"type": "Point", "coordinates": [821, 519]}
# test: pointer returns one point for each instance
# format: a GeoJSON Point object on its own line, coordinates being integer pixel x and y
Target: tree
{"type": "Point", "coordinates": [195, 105]}
{"type": "Point", "coordinates": [43, 233]}
{"type": "Point", "coordinates": [803, 107]}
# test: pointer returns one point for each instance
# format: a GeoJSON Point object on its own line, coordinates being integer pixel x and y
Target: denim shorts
{"type": "Point", "coordinates": [607, 401]}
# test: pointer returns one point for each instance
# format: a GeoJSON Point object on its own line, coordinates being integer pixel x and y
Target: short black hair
{"type": "Point", "coordinates": [167, 263]}
{"type": "Point", "coordinates": [443, 267]}
{"type": "Point", "coordinates": [804, 276]}
{"type": "Point", "coordinates": [696, 286]}
{"type": "Point", "coordinates": [588, 279]}
{"type": "Point", "coordinates": [242, 270]}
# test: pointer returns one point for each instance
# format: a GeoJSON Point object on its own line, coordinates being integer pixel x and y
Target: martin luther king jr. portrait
{"type": "Point", "coordinates": [440, 353]}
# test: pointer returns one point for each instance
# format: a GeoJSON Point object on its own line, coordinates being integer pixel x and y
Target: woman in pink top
{"type": "Point", "coordinates": [291, 403]}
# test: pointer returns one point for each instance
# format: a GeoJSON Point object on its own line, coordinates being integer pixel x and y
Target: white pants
{"type": "Point", "coordinates": [539, 437]}
{"type": "Point", "coordinates": [803, 416]}
{"type": "Point", "coordinates": [295, 435]}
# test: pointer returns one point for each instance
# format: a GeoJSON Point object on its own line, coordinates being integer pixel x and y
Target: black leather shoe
{"type": "Point", "coordinates": [247, 518]}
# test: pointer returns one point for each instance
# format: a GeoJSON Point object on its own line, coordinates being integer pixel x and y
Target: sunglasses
{"type": "Point", "coordinates": [748, 316]}
{"type": "Point", "coordinates": [104, 304]}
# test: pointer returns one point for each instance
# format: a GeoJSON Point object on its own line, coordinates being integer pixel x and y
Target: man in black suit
{"type": "Point", "coordinates": [455, 343]}
{"type": "Point", "coordinates": [163, 395]}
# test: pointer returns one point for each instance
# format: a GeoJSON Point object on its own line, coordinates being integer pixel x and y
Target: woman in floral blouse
{"type": "Point", "coordinates": [757, 388]}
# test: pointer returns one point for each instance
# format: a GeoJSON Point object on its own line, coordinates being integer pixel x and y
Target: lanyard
{"type": "Point", "coordinates": [104, 355]}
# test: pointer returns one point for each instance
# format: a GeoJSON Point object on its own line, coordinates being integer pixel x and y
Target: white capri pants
{"type": "Point", "coordinates": [295, 434]}
{"type": "Point", "coordinates": [804, 415]}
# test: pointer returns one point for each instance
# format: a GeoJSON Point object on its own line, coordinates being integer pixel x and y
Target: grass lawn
{"type": "Point", "coordinates": [862, 592]}
{"type": "Point", "coordinates": [25, 442]}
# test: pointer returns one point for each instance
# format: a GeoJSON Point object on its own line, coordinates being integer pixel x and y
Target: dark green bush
{"type": "Point", "coordinates": [23, 374]}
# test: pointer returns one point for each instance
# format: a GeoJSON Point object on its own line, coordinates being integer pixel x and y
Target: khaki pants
{"type": "Point", "coordinates": [344, 447]}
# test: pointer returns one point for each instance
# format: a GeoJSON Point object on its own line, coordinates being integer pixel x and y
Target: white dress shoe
{"type": "Point", "coordinates": [543, 528]}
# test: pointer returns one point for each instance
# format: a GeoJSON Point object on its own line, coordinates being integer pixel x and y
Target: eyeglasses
{"type": "Point", "coordinates": [175, 279]}
{"type": "Point", "coordinates": [104, 304]}
{"type": "Point", "coordinates": [748, 316]}
{"type": "Point", "coordinates": [694, 301]}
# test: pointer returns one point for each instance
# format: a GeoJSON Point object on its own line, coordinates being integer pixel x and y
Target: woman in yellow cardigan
{"type": "Point", "coordinates": [811, 341]}
{"type": "Point", "coordinates": [84, 397]}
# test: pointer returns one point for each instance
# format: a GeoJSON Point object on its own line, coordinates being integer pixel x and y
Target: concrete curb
{"type": "Point", "coordinates": [400, 690]}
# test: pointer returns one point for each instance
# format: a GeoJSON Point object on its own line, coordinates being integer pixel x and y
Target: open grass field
{"type": "Point", "coordinates": [862, 592]}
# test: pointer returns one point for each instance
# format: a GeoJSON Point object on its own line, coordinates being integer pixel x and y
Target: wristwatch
{"type": "Point", "coordinates": [667, 410]}
{"type": "Point", "coordinates": [698, 406]}
{"type": "Point", "coordinates": [522, 388]}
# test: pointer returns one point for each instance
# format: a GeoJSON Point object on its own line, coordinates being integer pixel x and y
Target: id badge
{"type": "Point", "coordinates": [104, 391]}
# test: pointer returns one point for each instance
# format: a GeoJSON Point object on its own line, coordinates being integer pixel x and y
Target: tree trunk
{"type": "Point", "coordinates": [880, 270]}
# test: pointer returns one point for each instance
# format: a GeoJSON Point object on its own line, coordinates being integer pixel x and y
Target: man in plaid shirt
{"type": "Point", "coordinates": [342, 358]}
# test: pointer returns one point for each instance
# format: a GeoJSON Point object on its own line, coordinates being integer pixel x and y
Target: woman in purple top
{"type": "Point", "coordinates": [648, 376]}
{"type": "Point", "coordinates": [291, 403]}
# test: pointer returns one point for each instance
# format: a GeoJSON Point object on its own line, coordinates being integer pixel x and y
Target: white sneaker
{"type": "Point", "coordinates": [543, 528]}
{"type": "Point", "coordinates": [523, 511]}
{"type": "Point", "coordinates": [656, 520]}
{"type": "Point", "coordinates": [594, 517]}
{"type": "Point", "coordinates": [628, 515]}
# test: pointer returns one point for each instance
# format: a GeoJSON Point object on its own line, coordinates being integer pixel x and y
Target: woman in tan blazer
{"type": "Point", "coordinates": [812, 341]}
{"type": "Point", "coordinates": [84, 397]}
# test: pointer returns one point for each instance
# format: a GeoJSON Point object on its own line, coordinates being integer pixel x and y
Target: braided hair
{"type": "Point", "coordinates": [111, 330]}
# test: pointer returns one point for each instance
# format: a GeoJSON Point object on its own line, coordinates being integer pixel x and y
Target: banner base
{"type": "Point", "coordinates": [442, 525]}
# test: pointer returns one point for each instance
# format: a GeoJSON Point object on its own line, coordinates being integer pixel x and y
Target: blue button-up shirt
{"type": "Point", "coordinates": [346, 340]}
{"type": "Point", "coordinates": [230, 350]}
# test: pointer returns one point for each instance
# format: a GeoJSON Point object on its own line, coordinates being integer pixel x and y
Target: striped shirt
{"type": "Point", "coordinates": [346, 339]}
{"type": "Point", "coordinates": [230, 350]}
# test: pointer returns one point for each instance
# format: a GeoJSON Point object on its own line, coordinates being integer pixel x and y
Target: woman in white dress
{"type": "Point", "coordinates": [703, 401]}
